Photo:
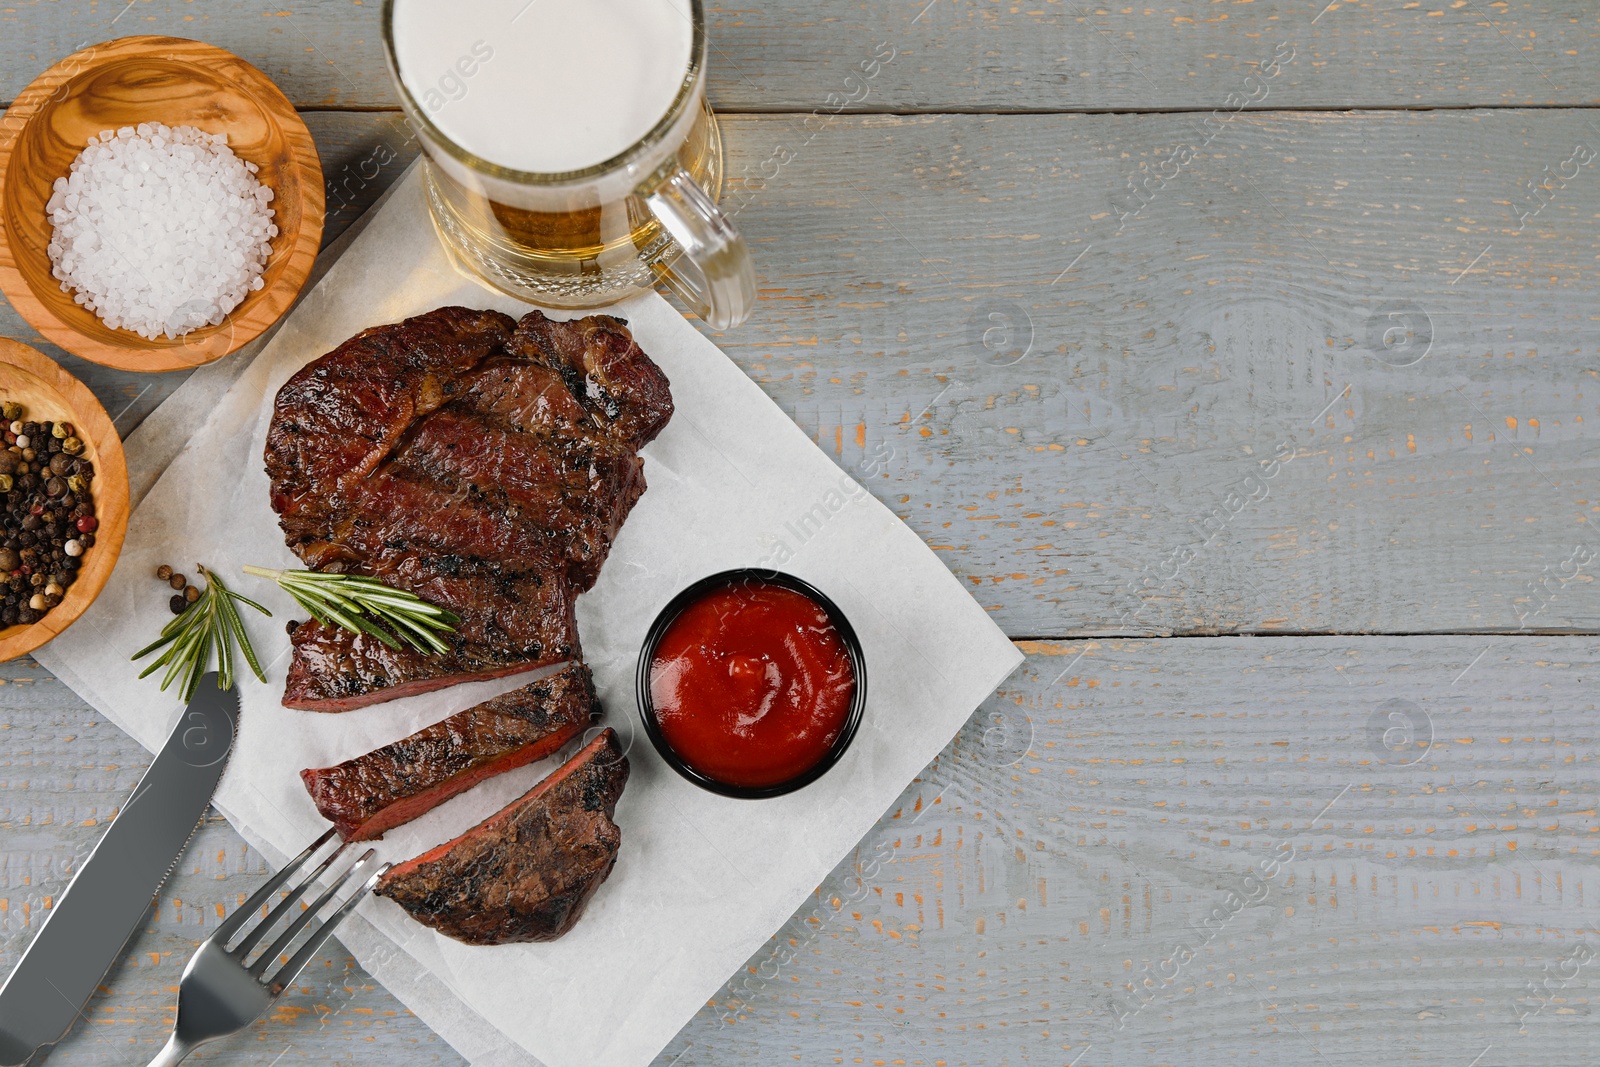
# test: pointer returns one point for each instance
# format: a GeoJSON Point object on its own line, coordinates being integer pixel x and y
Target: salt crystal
{"type": "Point", "coordinates": [159, 229]}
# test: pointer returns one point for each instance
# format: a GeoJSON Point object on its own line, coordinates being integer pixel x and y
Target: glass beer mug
{"type": "Point", "coordinates": [570, 156]}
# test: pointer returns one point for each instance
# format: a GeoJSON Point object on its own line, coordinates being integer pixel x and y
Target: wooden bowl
{"type": "Point", "coordinates": [46, 391]}
{"type": "Point", "coordinates": [152, 79]}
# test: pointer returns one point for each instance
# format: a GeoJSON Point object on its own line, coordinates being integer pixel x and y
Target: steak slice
{"type": "Point", "coordinates": [511, 620]}
{"type": "Point", "coordinates": [521, 608]}
{"type": "Point", "coordinates": [526, 872]}
{"type": "Point", "coordinates": [335, 670]}
{"type": "Point", "coordinates": [365, 796]}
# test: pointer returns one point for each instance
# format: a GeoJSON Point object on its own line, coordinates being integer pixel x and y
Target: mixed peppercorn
{"type": "Point", "coordinates": [186, 594]}
{"type": "Point", "coordinates": [48, 513]}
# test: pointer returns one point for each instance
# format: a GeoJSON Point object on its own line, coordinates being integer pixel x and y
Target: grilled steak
{"type": "Point", "coordinates": [394, 784]}
{"type": "Point", "coordinates": [526, 872]}
{"type": "Point", "coordinates": [484, 464]}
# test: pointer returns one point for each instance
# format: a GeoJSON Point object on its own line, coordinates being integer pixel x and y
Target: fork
{"type": "Point", "coordinates": [221, 994]}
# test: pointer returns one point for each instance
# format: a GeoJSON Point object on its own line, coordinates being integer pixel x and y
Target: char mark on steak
{"type": "Point", "coordinates": [365, 796]}
{"type": "Point", "coordinates": [526, 872]}
{"type": "Point", "coordinates": [482, 464]}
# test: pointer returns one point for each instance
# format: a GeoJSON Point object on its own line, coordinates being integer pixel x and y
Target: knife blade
{"type": "Point", "coordinates": [107, 898]}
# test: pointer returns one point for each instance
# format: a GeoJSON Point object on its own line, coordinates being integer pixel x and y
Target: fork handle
{"type": "Point", "coordinates": [172, 1053]}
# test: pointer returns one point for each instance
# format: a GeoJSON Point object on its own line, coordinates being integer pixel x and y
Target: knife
{"type": "Point", "coordinates": [107, 899]}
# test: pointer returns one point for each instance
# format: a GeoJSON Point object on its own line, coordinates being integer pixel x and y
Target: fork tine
{"type": "Point", "coordinates": [260, 965]}
{"type": "Point", "coordinates": [231, 925]}
{"type": "Point", "coordinates": [254, 936]}
{"type": "Point", "coordinates": [322, 933]}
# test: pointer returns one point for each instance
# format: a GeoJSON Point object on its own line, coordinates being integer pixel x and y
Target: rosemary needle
{"type": "Point", "coordinates": [367, 606]}
{"type": "Point", "coordinates": [209, 625]}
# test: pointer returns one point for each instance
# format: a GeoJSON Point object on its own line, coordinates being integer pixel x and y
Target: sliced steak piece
{"type": "Point", "coordinates": [526, 872]}
{"type": "Point", "coordinates": [520, 607]}
{"type": "Point", "coordinates": [512, 620]}
{"type": "Point", "coordinates": [394, 784]}
{"type": "Point", "coordinates": [335, 670]}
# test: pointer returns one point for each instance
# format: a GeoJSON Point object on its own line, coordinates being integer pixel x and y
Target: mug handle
{"type": "Point", "coordinates": [713, 273]}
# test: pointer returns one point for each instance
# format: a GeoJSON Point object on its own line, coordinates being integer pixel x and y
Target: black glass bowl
{"type": "Point", "coordinates": [852, 644]}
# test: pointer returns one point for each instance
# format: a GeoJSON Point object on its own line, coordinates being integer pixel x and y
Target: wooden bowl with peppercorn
{"type": "Point", "coordinates": [63, 498]}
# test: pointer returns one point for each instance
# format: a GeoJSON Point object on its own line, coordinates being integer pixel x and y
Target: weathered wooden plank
{"type": "Point", "coordinates": [1140, 375]}
{"type": "Point", "coordinates": [953, 55]}
{"type": "Point", "coordinates": [1429, 803]}
{"type": "Point", "coordinates": [1070, 399]}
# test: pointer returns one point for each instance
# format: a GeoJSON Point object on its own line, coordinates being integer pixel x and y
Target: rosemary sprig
{"type": "Point", "coordinates": [210, 624]}
{"type": "Point", "coordinates": [367, 606]}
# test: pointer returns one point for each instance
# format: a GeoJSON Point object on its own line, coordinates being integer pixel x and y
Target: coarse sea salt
{"type": "Point", "coordinates": [160, 230]}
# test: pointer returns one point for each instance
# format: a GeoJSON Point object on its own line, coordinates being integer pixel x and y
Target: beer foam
{"type": "Point", "coordinates": [543, 85]}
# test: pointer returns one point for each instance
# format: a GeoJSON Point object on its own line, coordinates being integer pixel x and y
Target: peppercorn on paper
{"type": "Point", "coordinates": [702, 880]}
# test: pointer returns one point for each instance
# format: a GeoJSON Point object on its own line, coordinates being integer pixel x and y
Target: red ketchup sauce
{"type": "Point", "coordinates": [751, 684]}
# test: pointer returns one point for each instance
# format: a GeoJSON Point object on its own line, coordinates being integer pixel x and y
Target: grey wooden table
{"type": "Point", "coordinates": [1241, 357]}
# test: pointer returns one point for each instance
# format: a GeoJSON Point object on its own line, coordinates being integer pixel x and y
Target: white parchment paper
{"type": "Point", "coordinates": [702, 880]}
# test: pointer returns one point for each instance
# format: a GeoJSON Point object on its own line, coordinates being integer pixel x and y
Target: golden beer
{"type": "Point", "coordinates": [596, 231]}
